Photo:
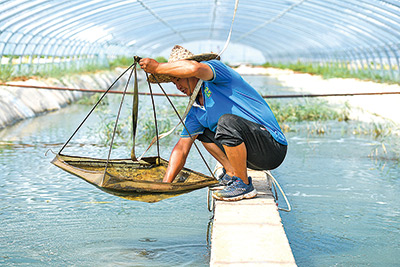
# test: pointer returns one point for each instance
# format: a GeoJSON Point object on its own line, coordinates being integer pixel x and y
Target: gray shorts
{"type": "Point", "coordinates": [263, 151]}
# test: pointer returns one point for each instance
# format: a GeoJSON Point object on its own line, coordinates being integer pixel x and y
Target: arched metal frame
{"type": "Point", "coordinates": [360, 35]}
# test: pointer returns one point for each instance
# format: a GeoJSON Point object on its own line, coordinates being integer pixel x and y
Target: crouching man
{"type": "Point", "coordinates": [230, 118]}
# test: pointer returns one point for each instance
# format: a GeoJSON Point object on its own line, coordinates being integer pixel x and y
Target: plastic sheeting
{"type": "Point", "coordinates": [359, 31]}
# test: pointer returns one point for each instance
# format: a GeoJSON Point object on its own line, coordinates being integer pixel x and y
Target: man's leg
{"type": "Point", "coordinates": [237, 156]}
{"type": "Point", "coordinates": [217, 150]}
{"type": "Point", "coordinates": [220, 156]}
{"type": "Point", "coordinates": [229, 134]}
{"type": "Point", "coordinates": [232, 158]}
{"type": "Point", "coordinates": [241, 186]}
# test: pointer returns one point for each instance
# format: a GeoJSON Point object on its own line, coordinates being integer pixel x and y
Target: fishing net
{"type": "Point", "coordinates": [133, 178]}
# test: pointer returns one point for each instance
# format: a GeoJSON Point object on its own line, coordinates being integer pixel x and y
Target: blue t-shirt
{"type": "Point", "coordinates": [228, 93]}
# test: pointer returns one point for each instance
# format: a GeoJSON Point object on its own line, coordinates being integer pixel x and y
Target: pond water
{"type": "Point", "coordinates": [345, 205]}
{"type": "Point", "coordinates": [346, 210]}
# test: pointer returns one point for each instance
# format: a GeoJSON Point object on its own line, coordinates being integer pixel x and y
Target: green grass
{"type": "Point", "coordinates": [121, 61]}
{"type": "Point", "coordinates": [58, 70]}
{"type": "Point", "coordinates": [334, 70]}
{"type": "Point", "coordinates": [6, 72]}
{"type": "Point", "coordinates": [161, 59]}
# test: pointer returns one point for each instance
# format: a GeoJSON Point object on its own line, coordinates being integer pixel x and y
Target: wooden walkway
{"type": "Point", "coordinates": [249, 232]}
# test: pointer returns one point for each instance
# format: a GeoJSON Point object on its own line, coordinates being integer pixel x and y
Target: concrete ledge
{"type": "Point", "coordinates": [249, 232]}
{"type": "Point", "coordinates": [17, 103]}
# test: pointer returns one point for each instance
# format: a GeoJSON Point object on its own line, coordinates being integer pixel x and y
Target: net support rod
{"type": "Point", "coordinates": [116, 121]}
{"type": "Point", "coordinates": [155, 116]}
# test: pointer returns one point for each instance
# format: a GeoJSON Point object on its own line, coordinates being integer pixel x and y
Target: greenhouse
{"type": "Point", "coordinates": [289, 109]}
{"type": "Point", "coordinates": [357, 35]}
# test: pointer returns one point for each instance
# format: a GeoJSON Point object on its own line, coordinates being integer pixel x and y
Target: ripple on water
{"type": "Point", "coordinates": [154, 255]}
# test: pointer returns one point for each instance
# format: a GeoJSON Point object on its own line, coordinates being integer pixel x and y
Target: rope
{"type": "Point", "coordinates": [116, 122]}
{"type": "Point", "coordinates": [191, 101]}
{"type": "Point", "coordinates": [83, 90]}
{"type": "Point", "coordinates": [180, 95]}
{"type": "Point", "coordinates": [270, 20]}
{"type": "Point", "coordinates": [181, 121]}
{"type": "Point", "coordinates": [230, 31]}
{"type": "Point", "coordinates": [93, 108]}
{"type": "Point", "coordinates": [326, 95]}
{"type": "Point", "coordinates": [195, 91]}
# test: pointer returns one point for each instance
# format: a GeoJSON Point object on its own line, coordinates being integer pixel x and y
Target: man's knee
{"type": "Point", "coordinates": [227, 120]}
{"type": "Point", "coordinates": [229, 131]}
{"type": "Point", "coordinates": [208, 137]}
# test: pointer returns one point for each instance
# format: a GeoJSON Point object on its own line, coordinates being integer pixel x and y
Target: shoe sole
{"type": "Point", "coordinates": [249, 195]}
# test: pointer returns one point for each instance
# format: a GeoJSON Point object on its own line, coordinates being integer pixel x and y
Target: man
{"type": "Point", "coordinates": [230, 118]}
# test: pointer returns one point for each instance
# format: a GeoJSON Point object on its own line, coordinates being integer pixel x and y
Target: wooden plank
{"type": "Point", "coordinates": [249, 232]}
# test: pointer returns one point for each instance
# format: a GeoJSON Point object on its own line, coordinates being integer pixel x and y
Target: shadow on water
{"type": "Point", "coordinates": [157, 253]}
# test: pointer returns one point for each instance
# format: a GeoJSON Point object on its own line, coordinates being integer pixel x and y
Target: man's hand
{"type": "Point", "coordinates": [148, 65]}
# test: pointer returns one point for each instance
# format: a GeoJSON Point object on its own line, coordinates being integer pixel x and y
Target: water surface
{"type": "Point", "coordinates": [50, 217]}
{"type": "Point", "coordinates": [345, 205]}
{"type": "Point", "coordinates": [346, 210]}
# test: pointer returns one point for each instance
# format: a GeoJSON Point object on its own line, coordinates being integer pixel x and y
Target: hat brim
{"type": "Point", "coordinates": [162, 78]}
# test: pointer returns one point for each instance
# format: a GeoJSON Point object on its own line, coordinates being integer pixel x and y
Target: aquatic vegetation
{"type": "Point", "coordinates": [166, 120]}
{"type": "Point", "coordinates": [146, 130]}
{"type": "Point", "coordinates": [387, 136]}
{"type": "Point", "coordinates": [317, 115]}
{"type": "Point", "coordinates": [307, 110]}
{"type": "Point", "coordinates": [107, 131]}
{"type": "Point", "coordinates": [379, 131]}
{"type": "Point", "coordinates": [317, 128]}
{"type": "Point", "coordinates": [386, 153]}
{"type": "Point", "coordinates": [315, 111]}
{"type": "Point", "coordinates": [92, 99]}
{"type": "Point", "coordinates": [388, 148]}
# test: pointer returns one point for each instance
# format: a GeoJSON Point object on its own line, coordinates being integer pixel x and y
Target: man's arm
{"type": "Point", "coordinates": [178, 158]}
{"type": "Point", "coordinates": [180, 68]}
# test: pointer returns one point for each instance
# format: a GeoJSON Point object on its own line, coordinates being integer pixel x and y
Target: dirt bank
{"type": "Point", "coordinates": [17, 103]}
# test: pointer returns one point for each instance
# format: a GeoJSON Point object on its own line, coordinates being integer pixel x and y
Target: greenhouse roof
{"type": "Point", "coordinates": [276, 28]}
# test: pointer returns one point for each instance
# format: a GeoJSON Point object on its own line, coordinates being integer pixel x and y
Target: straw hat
{"type": "Point", "coordinates": [178, 53]}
